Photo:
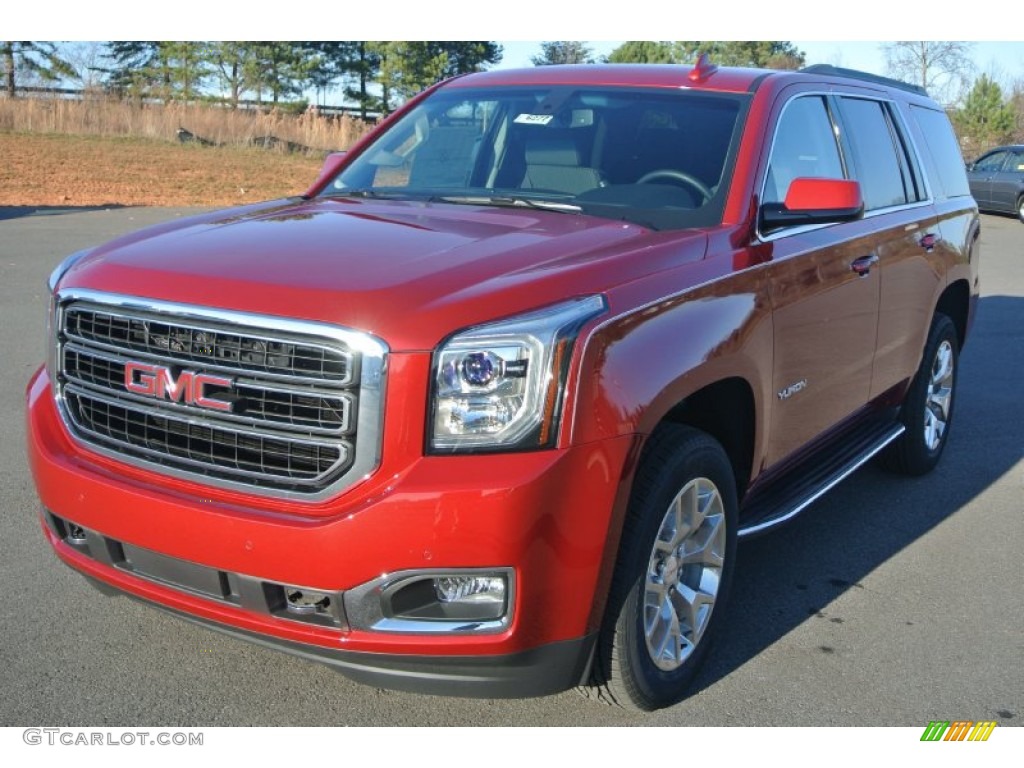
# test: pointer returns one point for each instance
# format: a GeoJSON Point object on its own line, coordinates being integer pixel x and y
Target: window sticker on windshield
{"type": "Point", "coordinates": [534, 119]}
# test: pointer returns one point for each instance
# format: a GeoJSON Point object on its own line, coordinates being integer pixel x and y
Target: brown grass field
{"type": "Point", "coordinates": [49, 170]}
{"type": "Point", "coordinates": [99, 152]}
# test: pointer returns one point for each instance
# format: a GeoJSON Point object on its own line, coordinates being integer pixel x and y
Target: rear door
{"type": "Point", "coordinates": [905, 236]}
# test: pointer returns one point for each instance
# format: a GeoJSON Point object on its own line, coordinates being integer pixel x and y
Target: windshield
{"type": "Point", "coordinates": [655, 157]}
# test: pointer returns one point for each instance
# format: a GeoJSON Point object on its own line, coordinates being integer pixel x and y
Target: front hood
{"type": "Point", "coordinates": [408, 272]}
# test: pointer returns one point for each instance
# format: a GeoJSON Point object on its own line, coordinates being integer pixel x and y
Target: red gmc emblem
{"type": "Point", "coordinates": [189, 387]}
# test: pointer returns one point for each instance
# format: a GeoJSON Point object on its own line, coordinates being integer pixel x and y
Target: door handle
{"type": "Point", "coordinates": [863, 265]}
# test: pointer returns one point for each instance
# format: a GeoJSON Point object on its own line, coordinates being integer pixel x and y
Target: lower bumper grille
{"type": "Point", "coordinates": [245, 592]}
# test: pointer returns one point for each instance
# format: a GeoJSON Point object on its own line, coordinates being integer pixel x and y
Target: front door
{"type": "Point", "coordinates": [824, 291]}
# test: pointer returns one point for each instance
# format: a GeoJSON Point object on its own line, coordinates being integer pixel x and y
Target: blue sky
{"type": "Point", "coordinates": [535, 20]}
{"type": "Point", "coordinates": [1003, 59]}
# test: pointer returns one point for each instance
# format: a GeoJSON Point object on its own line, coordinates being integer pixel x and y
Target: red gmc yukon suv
{"type": "Point", "coordinates": [486, 410]}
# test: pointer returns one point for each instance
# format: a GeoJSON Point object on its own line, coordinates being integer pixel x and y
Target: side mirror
{"type": "Point", "coordinates": [332, 164]}
{"type": "Point", "coordinates": [815, 201]}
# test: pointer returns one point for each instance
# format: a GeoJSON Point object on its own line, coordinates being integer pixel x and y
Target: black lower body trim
{"type": "Point", "coordinates": [539, 671]}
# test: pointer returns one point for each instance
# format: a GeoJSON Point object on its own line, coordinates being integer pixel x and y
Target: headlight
{"type": "Point", "coordinates": [499, 386]}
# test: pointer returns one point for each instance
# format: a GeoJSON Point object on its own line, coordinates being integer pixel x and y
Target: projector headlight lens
{"type": "Point", "coordinates": [499, 386]}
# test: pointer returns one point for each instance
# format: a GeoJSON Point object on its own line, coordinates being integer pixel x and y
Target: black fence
{"type": "Point", "coordinates": [79, 94]}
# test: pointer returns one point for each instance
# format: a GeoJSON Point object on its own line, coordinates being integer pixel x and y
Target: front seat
{"type": "Point", "coordinates": [554, 164]}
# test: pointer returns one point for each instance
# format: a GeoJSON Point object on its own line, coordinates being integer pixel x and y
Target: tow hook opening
{"type": "Point", "coordinates": [307, 603]}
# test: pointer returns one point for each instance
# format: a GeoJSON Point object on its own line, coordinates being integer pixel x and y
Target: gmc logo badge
{"type": "Point", "coordinates": [189, 387]}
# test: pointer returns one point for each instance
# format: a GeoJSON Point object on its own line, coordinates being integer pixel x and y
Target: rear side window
{"type": "Point", "coordinates": [805, 146]}
{"type": "Point", "coordinates": [884, 167]}
{"type": "Point", "coordinates": [943, 147]}
{"type": "Point", "coordinates": [990, 163]}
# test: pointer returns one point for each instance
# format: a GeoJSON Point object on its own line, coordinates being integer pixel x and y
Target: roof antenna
{"type": "Point", "coordinates": [703, 69]}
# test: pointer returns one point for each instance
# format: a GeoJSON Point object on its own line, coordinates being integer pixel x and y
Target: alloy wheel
{"type": "Point", "coordinates": [940, 396]}
{"type": "Point", "coordinates": [684, 573]}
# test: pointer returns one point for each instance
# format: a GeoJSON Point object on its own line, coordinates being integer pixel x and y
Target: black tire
{"type": "Point", "coordinates": [1020, 209]}
{"type": "Point", "coordinates": [923, 413]}
{"type": "Point", "coordinates": [684, 478]}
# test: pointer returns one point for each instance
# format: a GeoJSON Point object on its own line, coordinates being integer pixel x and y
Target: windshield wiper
{"type": "Point", "coordinates": [508, 201]}
{"type": "Point", "coordinates": [373, 194]}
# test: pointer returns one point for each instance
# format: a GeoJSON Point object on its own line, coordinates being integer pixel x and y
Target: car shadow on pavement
{"type": "Point", "coordinates": [791, 575]}
{"type": "Point", "coordinates": [18, 211]}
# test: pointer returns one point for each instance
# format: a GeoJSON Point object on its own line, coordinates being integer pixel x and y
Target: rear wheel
{"type": "Point", "coordinates": [927, 411]}
{"type": "Point", "coordinates": [1020, 208]}
{"type": "Point", "coordinates": [673, 573]}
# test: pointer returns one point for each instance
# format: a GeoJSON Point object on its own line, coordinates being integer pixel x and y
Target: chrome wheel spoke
{"type": "Point", "coordinates": [939, 399]}
{"type": "Point", "coordinates": [943, 368]}
{"type": "Point", "coordinates": [932, 430]}
{"type": "Point", "coordinates": [939, 402]}
{"type": "Point", "coordinates": [707, 545]}
{"type": "Point", "coordinates": [693, 607]}
{"type": "Point", "coordinates": [661, 626]}
{"type": "Point", "coordinates": [683, 573]}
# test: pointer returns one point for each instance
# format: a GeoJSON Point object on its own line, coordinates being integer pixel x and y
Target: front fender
{"type": "Point", "coordinates": [640, 364]}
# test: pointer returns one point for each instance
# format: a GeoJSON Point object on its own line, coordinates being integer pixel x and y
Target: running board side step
{"type": "Point", "coordinates": [784, 501]}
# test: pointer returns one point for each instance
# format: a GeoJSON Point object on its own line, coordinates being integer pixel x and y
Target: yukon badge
{"type": "Point", "coordinates": [188, 387]}
{"type": "Point", "coordinates": [792, 389]}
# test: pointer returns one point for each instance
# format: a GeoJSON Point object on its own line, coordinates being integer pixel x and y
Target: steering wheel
{"type": "Point", "coordinates": [671, 173]}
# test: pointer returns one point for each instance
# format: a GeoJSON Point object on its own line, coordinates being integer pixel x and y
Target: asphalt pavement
{"type": "Point", "coordinates": [892, 601]}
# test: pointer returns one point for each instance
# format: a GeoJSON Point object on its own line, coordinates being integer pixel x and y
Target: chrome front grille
{"type": "Point", "coordinates": [263, 404]}
{"type": "Point", "coordinates": [188, 343]}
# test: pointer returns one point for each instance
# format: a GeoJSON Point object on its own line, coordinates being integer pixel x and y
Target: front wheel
{"type": "Point", "coordinates": [927, 411]}
{"type": "Point", "coordinates": [673, 573]}
{"type": "Point", "coordinates": [1020, 208]}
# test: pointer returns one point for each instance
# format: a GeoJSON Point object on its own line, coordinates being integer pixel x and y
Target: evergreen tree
{"type": "Point", "coordinates": [361, 70]}
{"type": "Point", "coordinates": [40, 59]}
{"type": "Point", "coordinates": [772, 54]}
{"type": "Point", "coordinates": [563, 52]}
{"type": "Point", "coordinates": [406, 68]}
{"type": "Point", "coordinates": [985, 119]}
{"type": "Point", "coordinates": [134, 69]}
{"type": "Point", "coordinates": [643, 52]}
{"type": "Point", "coordinates": [230, 63]}
{"type": "Point", "coordinates": [188, 65]}
{"type": "Point", "coordinates": [280, 69]}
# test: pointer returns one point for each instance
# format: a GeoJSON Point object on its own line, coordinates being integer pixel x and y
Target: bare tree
{"type": "Point", "coordinates": [1017, 104]}
{"type": "Point", "coordinates": [87, 62]}
{"type": "Point", "coordinates": [943, 67]}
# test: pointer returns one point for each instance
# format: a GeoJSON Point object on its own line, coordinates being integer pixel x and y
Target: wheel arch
{"type": "Point", "coordinates": [954, 302]}
{"type": "Point", "coordinates": [725, 410]}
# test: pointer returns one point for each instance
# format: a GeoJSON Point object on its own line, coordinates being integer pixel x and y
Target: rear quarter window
{"type": "Point", "coordinates": [880, 166]}
{"type": "Point", "coordinates": [942, 145]}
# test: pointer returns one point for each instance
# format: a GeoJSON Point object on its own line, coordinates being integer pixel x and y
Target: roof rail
{"type": "Point", "coordinates": [828, 69]}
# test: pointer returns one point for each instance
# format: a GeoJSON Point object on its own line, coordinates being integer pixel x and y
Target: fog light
{"type": "Point", "coordinates": [470, 589]}
{"type": "Point", "coordinates": [460, 601]}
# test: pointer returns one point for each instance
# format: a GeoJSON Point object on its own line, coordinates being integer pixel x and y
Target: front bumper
{"type": "Point", "coordinates": [545, 516]}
